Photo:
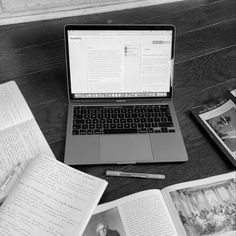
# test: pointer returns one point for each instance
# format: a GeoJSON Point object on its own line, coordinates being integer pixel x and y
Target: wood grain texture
{"type": "Point", "coordinates": [33, 55]}
{"type": "Point", "coordinates": [15, 11]}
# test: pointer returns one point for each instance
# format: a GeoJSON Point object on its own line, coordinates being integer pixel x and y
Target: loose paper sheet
{"type": "Point", "coordinates": [20, 136]}
{"type": "Point", "coordinates": [50, 199]}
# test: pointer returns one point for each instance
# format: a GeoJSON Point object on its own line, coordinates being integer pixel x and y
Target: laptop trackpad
{"type": "Point", "coordinates": [125, 148]}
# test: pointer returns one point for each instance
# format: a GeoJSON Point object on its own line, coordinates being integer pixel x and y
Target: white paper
{"type": "Point", "coordinates": [13, 107]}
{"type": "Point", "coordinates": [50, 199]}
{"type": "Point", "coordinates": [140, 214]}
{"type": "Point", "coordinates": [20, 136]}
{"type": "Point", "coordinates": [233, 92]}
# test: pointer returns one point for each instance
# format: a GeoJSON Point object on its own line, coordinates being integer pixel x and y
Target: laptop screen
{"type": "Point", "coordinates": [120, 63]}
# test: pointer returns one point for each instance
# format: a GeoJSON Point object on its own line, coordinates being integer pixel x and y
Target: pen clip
{"type": "Point", "coordinates": [6, 182]}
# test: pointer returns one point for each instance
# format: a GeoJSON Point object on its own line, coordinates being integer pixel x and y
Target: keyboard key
{"type": "Point", "coordinates": [157, 131]}
{"type": "Point", "coordinates": [164, 130]}
{"type": "Point", "coordinates": [82, 132]}
{"type": "Point", "coordinates": [140, 125]}
{"type": "Point", "coordinates": [84, 126]}
{"type": "Point", "coordinates": [109, 121]}
{"type": "Point", "coordinates": [75, 132]}
{"type": "Point", "coordinates": [127, 125]}
{"type": "Point", "coordinates": [142, 131]}
{"type": "Point", "coordinates": [78, 121]}
{"type": "Point", "coordinates": [88, 121]}
{"type": "Point", "coordinates": [92, 126]}
{"type": "Point", "coordinates": [105, 126]}
{"type": "Point", "coordinates": [76, 117]}
{"type": "Point", "coordinates": [98, 131]}
{"type": "Point", "coordinates": [120, 131]}
{"type": "Point", "coordinates": [98, 126]}
{"type": "Point", "coordinates": [150, 130]}
{"type": "Point", "coordinates": [76, 127]}
{"type": "Point", "coordinates": [89, 132]}
{"type": "Point", "coordinates": [166, 125]}
{"type": "Point", "coordinates": [120, 126]}
{"type": "Point", "coordinates": [171, 130]}
{"type": "Point", "coordinates": [113, 126]}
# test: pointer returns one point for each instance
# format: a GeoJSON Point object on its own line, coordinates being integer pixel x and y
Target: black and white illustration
{"type": "Point", "coordinates": [224, 126]}
{"type": "Point", "coordinates": [207, 209]}
{"type": "Point", "coordinates": [106, 223]}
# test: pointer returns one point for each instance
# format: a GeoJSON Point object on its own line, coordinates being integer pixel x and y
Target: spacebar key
{"type": "Point", "coordinates": [120, 131]}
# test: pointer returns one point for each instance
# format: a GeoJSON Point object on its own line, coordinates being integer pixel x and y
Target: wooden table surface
{"type": "Point", "coordinates": [33, 55]}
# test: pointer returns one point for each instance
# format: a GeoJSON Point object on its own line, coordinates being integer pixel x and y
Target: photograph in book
{"type": "Point", "coordinates": [207, 209]}
{"type": "Point", "coordinates": [225, 127]}
{"type": "Point", "coordinates": [106, 223]}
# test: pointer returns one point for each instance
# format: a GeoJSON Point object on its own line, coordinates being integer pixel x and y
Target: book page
{"type": "Point", "coordinates": [20, 136]}
{"type": "Point", "coordinates": [13, 107]}
{"type": "Point", "coordinates": [204, 207]}
{"type": "Point", "coordinates": [50, 198]}
{"type": "Point", "coordinates": [233, 92]}
{"type": "Point", "coordinates": [140, 214]}
{"type": "Point", "coordinates": [222, 123]}
{"type": "Point", "coordinates": [19, 144]}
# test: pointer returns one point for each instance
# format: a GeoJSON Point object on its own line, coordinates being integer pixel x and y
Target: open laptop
{"type": "Point", "coordinates": [120, 90]}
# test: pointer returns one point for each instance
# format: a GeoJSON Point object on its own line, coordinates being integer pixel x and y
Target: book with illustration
{"type": "Point", "coordinates": [218, 118]}
{"type": "Point", "coordinates": [200, 207]}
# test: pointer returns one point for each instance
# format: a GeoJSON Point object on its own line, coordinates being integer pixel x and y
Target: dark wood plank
{"type": "Point", "coordinates": [197, 17]}
{"type": "Point", "coordinates": [204, 71]}
{"type": "Point", "coordinates": [44, 31]}
{"type": "Point", "coordinates": [206, 40]}
{"type": "Point", "coordinates": [44, 86]}
{"type": "Point", "coordinates": [31, 60]}
{"type": "Point", "coordinates": [197, 14]}
{"type": "Point", "coordinates": [140, 15]}
{"type": "Point", "coordinates": [48, 59]}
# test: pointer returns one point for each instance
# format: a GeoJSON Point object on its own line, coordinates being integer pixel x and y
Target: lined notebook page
{"type": "Point", "coordinates": [50, 199]}
{"type": "Point", "coordinates": [13, 107]}
{"type": "Point", "coordinates": [20, 136]}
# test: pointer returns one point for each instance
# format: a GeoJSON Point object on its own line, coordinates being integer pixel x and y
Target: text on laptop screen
{"type": "Point", "coordinates": [120, 63]}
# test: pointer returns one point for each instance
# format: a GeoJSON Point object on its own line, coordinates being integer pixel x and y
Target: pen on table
{"type": "Point", "coordinates": [134, 175]}
{"type": "Point", "coordinates": [4, 189]}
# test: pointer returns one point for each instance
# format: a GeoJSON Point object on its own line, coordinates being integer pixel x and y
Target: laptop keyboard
{"type": "Point", "coordinates": [137, 119]}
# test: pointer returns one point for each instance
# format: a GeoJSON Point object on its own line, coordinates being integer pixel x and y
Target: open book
{"type": "Point", "coordinates": [218, 118]}
{"type": "Point", "coordinates": [200, 207]}
{"type": "Point", "coordinates": [50, 198]}
{"type": "Point", "coordinates": [20, 136]}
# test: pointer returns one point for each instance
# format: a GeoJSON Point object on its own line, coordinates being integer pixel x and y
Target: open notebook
{"type": "Point", "coordinates": [50, 198]}
{"type": "Point", "coordinates": [20, 136]}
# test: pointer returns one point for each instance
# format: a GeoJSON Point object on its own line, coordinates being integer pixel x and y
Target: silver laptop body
{"type": "Point", "coordinates": [116, 68]}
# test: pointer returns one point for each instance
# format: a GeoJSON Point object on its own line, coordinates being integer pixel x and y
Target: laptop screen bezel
{"type": "Point", "coordinates": [118, 27]}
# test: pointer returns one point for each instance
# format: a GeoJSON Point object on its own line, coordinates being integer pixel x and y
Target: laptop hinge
{"type": "Point", "coordinates": [119, 101]}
